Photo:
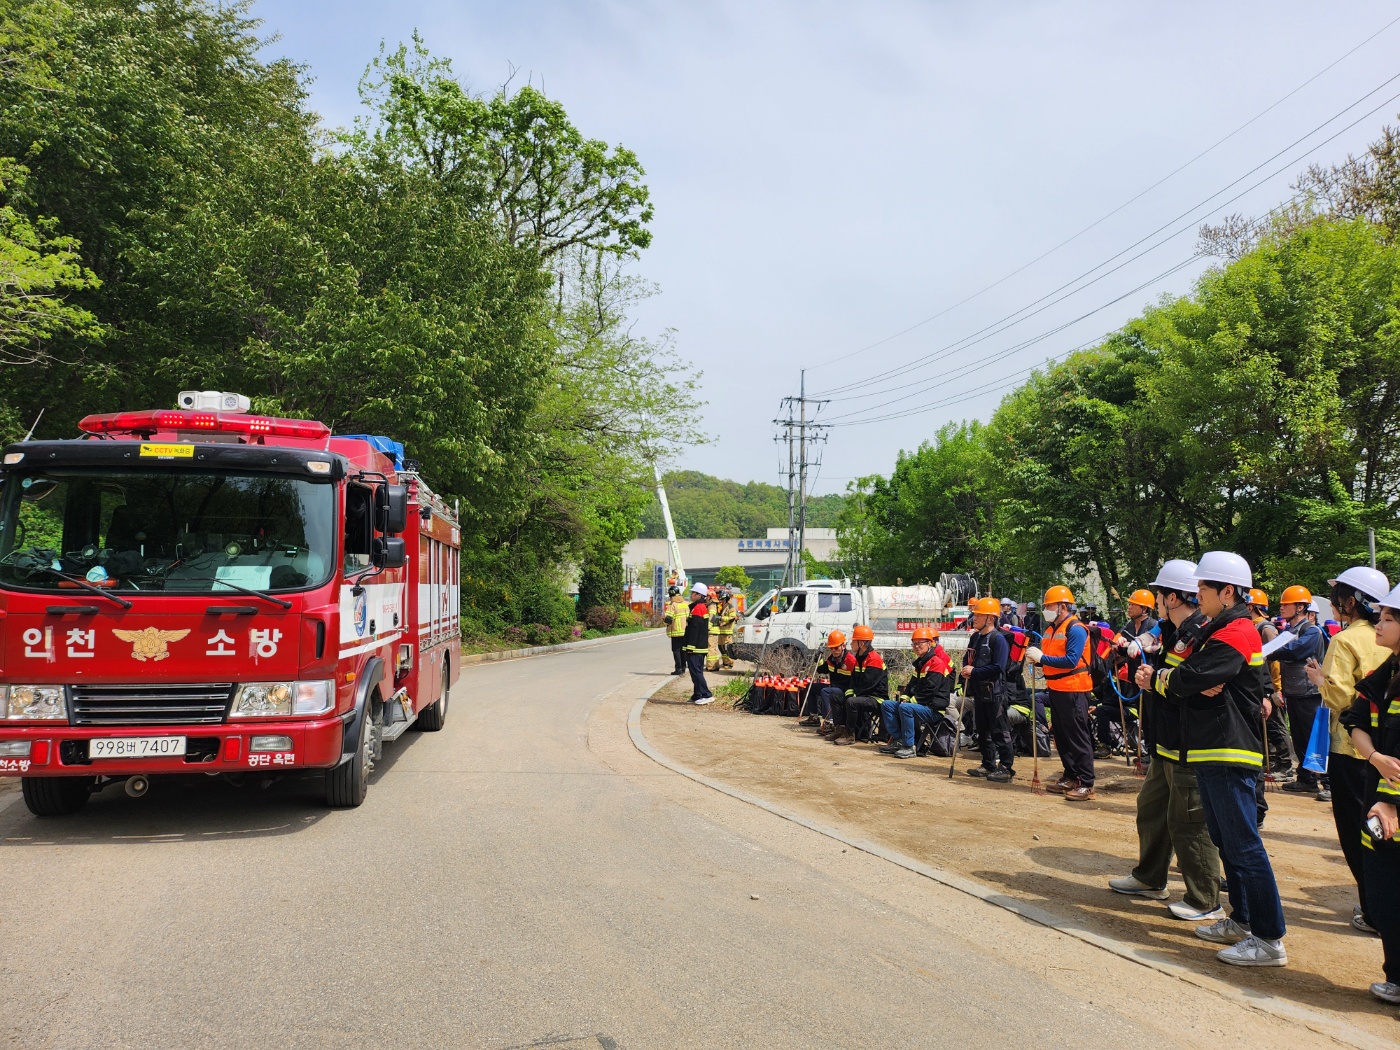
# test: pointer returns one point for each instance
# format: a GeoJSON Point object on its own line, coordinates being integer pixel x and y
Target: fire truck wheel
{"type": "Point", "coordinates": [347, 783]}
{"type": "Point", "coordinates": [434, 716]}
{"type": "Point", "coordinates": [56, 796]}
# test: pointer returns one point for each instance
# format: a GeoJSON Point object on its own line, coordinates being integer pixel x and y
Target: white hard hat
{"type": "Point", "coordinates": [1392, 600]}
{"type": "Point", "coordinates": [699, 588]}
{"type": "Point", "coordinates": [1177, 575]}
{"type": "Point", "coordinates": [1316, 606]}
{"type": "Point", "coordinates": [1370, 582]}
{"type": "Point", "coordinates": [1224, 567]}
{"type": "Point", "coordinates": [1030, 605]}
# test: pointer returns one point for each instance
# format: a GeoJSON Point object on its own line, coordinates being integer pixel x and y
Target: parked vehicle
{"type": "Point", "coordinates": [210, 591]}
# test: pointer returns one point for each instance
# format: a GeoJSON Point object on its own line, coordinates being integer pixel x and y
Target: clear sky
{"type": "Point", "coordinates": [826, 176]}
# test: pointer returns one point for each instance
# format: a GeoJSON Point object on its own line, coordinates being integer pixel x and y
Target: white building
{"type": "Point", "coordinates": [763, 559]}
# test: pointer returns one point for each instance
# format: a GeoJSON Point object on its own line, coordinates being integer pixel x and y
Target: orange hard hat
{"type": "Point", "coordinates": [1258, 597]}
{"type": "Point", "coordinates": [1058, 593]}
{"type": "Point", "coordinates": [925, 633]}
{"type": "Point", "coordinates": [862, 633]}
{"type": "Point", "coordinates": [835, 640]}
{"type": "Point", "coordinates": [987, 606]}
{"type": "Point", "coordinates": [1296, 593]}
{"type": "Point", "coordinates": [1142, 596]}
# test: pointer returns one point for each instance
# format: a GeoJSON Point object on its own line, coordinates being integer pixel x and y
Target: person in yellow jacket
{"type": "Point", "coordinates": [1351, 656]}
{"type": "Point", "coordinates": [723, 621]}
{"type": "Point", "coordinates": [675, 615]}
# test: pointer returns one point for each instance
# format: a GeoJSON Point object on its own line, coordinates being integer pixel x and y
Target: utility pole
{"type": "Point", "coordinates": [798, 462]}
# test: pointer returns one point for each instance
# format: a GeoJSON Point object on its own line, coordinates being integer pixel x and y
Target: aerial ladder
{"type": "Point", "coordinates": [676, 570]}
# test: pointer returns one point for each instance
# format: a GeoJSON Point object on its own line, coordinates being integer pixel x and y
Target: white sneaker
{"type": "Point", "coordinates": [1254, 951]}
{"type": "Point", "coordinates": [1226, 931]}
{"type": "Point", "coordinates": [1188, 913]}
{"type": "Point", "coordinates": [704, 700]}
{"type": "Point", "coordinates": [1134, 888]}
{"type": "Point", "coordinates": [1386, 991]}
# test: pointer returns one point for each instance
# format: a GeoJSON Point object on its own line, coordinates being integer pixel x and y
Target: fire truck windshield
{"type": "Point", "coordinates": [166, 530]}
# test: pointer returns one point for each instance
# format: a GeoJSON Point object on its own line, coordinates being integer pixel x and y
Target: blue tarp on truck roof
{"type": "Point", "coordinates": [391, 448]}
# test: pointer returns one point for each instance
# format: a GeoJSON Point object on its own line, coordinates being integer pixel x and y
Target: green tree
{"type": "Point", "coordinates": [733, 576]}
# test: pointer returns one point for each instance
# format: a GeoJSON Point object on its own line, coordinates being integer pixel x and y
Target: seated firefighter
{"type": "Point", "coordinates": [925, 700]}
{"type": "Point", "coordinates": [870, 684]}
{"type": "Point", "coordinates": [835, 674]}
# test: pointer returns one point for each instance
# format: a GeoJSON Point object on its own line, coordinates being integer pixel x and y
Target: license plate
{"type": "Point", "coordinates": [136, 747]}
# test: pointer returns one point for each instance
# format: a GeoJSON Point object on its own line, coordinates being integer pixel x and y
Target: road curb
{"type": "Point", "coordinates": [468, 659]}
{"type": "Point", "coordinates": [1314, 1021]}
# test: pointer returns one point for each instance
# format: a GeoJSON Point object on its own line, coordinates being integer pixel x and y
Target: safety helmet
{"type": "Point", "coordinates": [862, 633]}
{"type": "Point", "coordinates": [1142, 596]}
{"type": "Point", "coordinates": [1370, 582]}
{"type": "Point", "coordinates": [1177, 575]}
{"type": "Point", "coordinates": [1316, 606]}
{"type": "Point", "coordinates": [925, 633]}
{"type": "Point", "coordinates": [1296, 595]}
{"type": "Point", "coordinates": [673, 591]}
{"type": "Point", "coordinates": [1392, 600]}
{"type": "Point", "coordinates": [1258, 597]}
{"type": "Point", "coordinates": [987, 607]}
{"type": "Point", "coordinates": [1224, 567]}
{"type": "Point", "coordinates": [700, 589]}
{"type": "Point", "coordinates": [835, 640]}
{"type": "Point", "coordinates": [1007, 603]}
{"type": "Point", "coordinates": [1059, 593]}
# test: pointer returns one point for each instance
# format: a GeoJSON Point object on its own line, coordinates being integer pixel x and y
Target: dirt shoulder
{"type": "Point", "coordinates": [1041, 849]}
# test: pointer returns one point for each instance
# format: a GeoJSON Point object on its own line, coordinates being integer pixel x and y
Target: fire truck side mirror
{"type": "Point", "coordinates": [391, 508]}
{"type": "Point", "coordinates": [389, 552]}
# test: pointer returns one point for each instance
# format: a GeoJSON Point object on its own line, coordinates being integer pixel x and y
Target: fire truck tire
{"type": "Point", "coordinates": [434, 716]}
{"type": "Point", "coordinates": [56, 796]}
{"type": "Point", "coordinates": [348, 783]}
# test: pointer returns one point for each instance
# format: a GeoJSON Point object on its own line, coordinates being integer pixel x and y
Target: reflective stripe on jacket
{"type": "Point", "coordinates": [1076, 679]}
{"type": "Point", "coordinates": [677, 610]}
{"type": "Point", "coordinates": [1225, 729]}
{"type": "Point", "coordinates": [697, 628]}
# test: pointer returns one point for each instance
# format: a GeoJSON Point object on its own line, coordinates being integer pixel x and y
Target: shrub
{"type": "Point", "coordinates": [601, 618]}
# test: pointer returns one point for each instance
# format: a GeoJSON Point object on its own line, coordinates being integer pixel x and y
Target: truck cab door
{"type": "Point", "coordinates": [833, 611]}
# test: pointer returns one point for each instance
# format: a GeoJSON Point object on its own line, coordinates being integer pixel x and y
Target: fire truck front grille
{"type": "Point", "coordinates": [148, 704]}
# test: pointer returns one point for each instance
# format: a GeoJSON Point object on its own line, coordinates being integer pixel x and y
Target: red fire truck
{"type": "Point", "coordinates": [206, 590]}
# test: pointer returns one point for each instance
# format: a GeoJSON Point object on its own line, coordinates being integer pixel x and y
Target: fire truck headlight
{"type": "Point", "coordinates": [262, 700]}
{"type": "Point", "coordinates": [25, 702]}
{"type": "Point", "coordinates": [274, 699]}
{"type": "Point", "coordinates": [313, 698]}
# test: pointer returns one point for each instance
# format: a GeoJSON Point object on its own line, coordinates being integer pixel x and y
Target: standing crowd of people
{"type": "Point", "coordinates": [1206, 711]}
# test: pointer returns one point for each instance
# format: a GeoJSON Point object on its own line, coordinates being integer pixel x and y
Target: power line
{"type": "Point", "coordinates": [1115, 211]}
{"type": "Point", "coordinates": [1012, 319]}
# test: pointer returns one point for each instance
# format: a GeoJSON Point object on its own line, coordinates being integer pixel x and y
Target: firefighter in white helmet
{"type": "Point", "coordinates": [1221, 690]}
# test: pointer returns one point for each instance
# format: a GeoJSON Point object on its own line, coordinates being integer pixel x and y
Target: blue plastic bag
{"type": "Point", "coordinates": [1320, 742]}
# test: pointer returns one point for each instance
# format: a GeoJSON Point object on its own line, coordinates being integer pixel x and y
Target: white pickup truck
{"type": "Point", "coordinates": [797, 619]}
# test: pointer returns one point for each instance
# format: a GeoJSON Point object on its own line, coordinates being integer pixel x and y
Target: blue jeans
{"type": "Point", "coordinates": [1227, 795]}
{"type": "Point", "coordinates": [900, 720]}
{"type": "Point", "coordinates": [824, 700]}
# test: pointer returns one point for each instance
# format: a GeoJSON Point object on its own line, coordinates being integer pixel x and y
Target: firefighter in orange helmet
{"type": "Point", "coordinates": [984, 675]}
{"type": "Point", "coordinates": [1063, 657]}
{"type": "Point", "coordinates": [929, 690]}
{"type": "Point", "coordinates": [870, 685]}
{"type": "Point", "coordinates": [836, 669]}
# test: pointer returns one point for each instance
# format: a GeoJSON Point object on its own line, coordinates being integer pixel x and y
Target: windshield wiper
{"type": "Point", "coordinates": [85, 585]}
{"type": "Point", "coordinates": [233, 587]}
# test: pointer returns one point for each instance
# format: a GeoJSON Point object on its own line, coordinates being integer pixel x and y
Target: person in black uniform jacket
{"type": "Point", "coordinates": [983, 671]}
{"type": "Point", "coordinates": [1374, 723]}
{"type": "Point", "coordinates": [696, 643]}
{"type": "Point", "coordinates": [870, 686]}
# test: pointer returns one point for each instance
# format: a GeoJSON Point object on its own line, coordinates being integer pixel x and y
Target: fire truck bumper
{"type": "Point", "coordinates": [58, 751]}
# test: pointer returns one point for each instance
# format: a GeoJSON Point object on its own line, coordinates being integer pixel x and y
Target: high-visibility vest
{"type": "Point", "coordinates": [1062, 679]}
{"type": "Point", "coordinates": [677, 610]}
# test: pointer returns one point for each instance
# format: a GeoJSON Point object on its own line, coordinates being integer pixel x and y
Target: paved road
{"type": "Point", "coordinates": [527, 878]}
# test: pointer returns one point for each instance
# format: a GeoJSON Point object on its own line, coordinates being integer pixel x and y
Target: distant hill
{"type": "Point", "coordinates": [705, 507]}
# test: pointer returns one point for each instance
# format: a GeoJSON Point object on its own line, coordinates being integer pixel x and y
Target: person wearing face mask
{"type": "Point", "coordinates": [1063, 656]}
{"type": "Point", "coordinates": [983, 671]}
{"type": "Point", "coordinates": [1300, 696]}
{"type": "Point", "coordinates": [1373, 722]}
{"type": "Point", "coordinates": [1170, 817]}
{"type": "Point", "coordinates": [1220, 688]}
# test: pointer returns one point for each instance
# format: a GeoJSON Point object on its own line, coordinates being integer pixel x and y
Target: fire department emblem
{"type": "Point", "coordinates": [149, 644]}
{"type": "Point", "coordinates": [1180, 647]}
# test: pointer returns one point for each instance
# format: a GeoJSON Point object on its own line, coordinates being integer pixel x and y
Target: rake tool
{"type": "Point", "coordinates": [957, 735]}
{"type": "Point", "coordinates": [1036, 786]}
{"type": "Point", "coordinates": [811, 681]}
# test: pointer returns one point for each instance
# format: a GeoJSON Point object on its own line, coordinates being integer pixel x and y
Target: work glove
{"type": "Point", "coordinates": [1133, 650]}
{"type": "Point", "coordinates": [1035, 654]}
{"type": "Point", "coordinates": [1149, 643]}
